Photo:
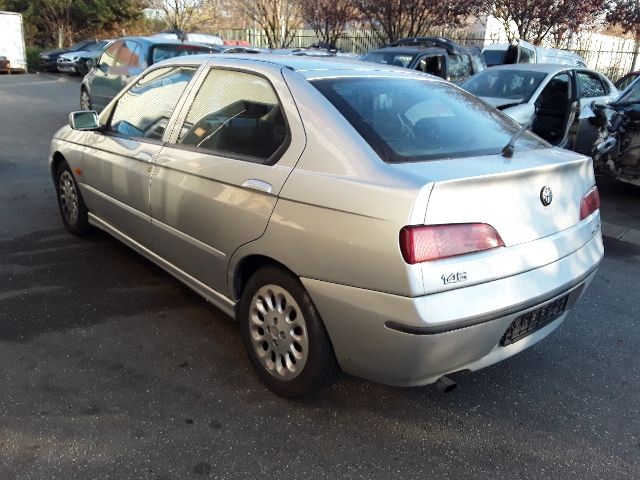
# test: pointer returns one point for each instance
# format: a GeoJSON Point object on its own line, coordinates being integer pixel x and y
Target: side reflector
{"type": "Point", "coordinates": [78, 171]}
{"type": "Point", "coordinates": [590, 202]}
{"type": "Point", "coordinates": [431, 242]}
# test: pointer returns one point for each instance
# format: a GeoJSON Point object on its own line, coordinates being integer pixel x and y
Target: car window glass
{"type": "Point", "coordinates": [517, 85]}
{"type": "Point", "coordinates": [633, 93]}
{"type": "Point", "coordinates": [459, 67]}
{"type": "Point", "coordinates": [235, 113]}
{"type": "Point", "coordinates": [109, 56]}
{"type": "Point", "coordinates": [591, 85]}
{"type": "Point", "coordinates": [128, 58]}
{"type": "Point", "coordinates": [527, 56]}
{"type": "Point", "coordinates": [433, 64]}
{"type": "Point", "coordinates": [389, 58]}
{"type": "Point", "coordinates": [145, 109]}
{"type": "Point", "coordinates": [417, 120]}
{"type": "Point", "coordinates": [162, 52]}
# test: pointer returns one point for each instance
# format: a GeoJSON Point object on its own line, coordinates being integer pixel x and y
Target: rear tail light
{"type": "Point", "coordinates": [431, 242]}
{"type": "Point", "coordinates": [590, 203]}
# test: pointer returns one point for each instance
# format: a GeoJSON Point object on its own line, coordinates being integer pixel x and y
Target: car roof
{"type": "Point", "coordinates": [412, 49]}
{"type": "Point", "coordinates": [161, 40]}
{"type": "Point", "coordinates": [302, 64]}
{"type": "Point", "coordinates": [536, 67]}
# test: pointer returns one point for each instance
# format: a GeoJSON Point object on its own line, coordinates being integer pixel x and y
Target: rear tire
{"type": "Point", "coordinates": [283, 333]}
{"type": "Point", "coordinates": [72, 207]}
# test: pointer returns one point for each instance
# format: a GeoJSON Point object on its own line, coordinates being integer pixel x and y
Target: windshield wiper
{"type": "Point", "coordinates": [510, 147]}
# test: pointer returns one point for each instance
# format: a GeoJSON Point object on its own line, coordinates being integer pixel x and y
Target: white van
{"type": "Point", "coordinates": [12, 41]}
{"type": "Point", "coordinates": [525, 52]}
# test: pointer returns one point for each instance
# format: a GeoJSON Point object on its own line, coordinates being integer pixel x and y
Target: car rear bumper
{"type": "Point", "coordinates": [414, 341]}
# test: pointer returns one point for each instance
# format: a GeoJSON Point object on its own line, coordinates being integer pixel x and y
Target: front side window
{"type": "Point", "coordinates": [236, 113]}
{"type": "Point", "coordinates": [145, 109]}
{"type": "Point", "coordinates": [527, 55]}
{"type": "Point", "coordinates": [406, 120]}
{"type": "Point", "coordinates": [591, 85]}
{"type": "Point", "coordinates": [433, 64]}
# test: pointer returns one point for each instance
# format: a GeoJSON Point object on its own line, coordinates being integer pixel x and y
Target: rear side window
{"type": "Point", "coordinates": [237, 114]}
{"type": "Point", "coordinates": [145, 109]}
{"type": "Point", "coordinates": [409, 120]}
{"type": "Point", "coordinates": [459, 67]}
{"type": "Point", "coordinates": [162, 52]}
{"type": "Point", "coordinates": [591, 85]}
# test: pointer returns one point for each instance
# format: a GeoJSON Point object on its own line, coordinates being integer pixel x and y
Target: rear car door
{"type": "Point", "coordinates": [118, 160]}
{"type": "Point", "coordinates": [216, 182]}
{"type": "Point", "coordinates": [591, 87]}
{"type": "Point", "coordinates": [127, 66]}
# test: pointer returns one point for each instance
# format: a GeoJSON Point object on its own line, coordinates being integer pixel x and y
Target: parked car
{"type": "Point", "coordinates": [78, 62]}
{"type": "Point", "coordinates": [5, 65]}
{"type": "Point", "coordinates": [435, 55]}
{"type": "Point", "coordinates": [627, 80]}
{"type": "Point", "coordinates": [352, 216]}
{"type": "Point", "coordinates": [524, 52]}
{"type": "Point", "coordinates": [552, 100]}
{"type": "Point", "coordinates": [123, 60]}
{"type": "Point", "coordinates": [48, 59]}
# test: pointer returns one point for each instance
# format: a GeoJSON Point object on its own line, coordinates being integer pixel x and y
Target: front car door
{"type": "Point", "coordinates": [555, 108]}
{"type": "Point", "coordinates": [117, 161]}
{"type": "Point", "coordinates": [216, 182]}
{"type": "Point", "coordinates": [592, 87]}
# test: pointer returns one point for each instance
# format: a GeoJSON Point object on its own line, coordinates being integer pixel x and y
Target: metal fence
{"type": "Point", "coordinates": [612, 62]}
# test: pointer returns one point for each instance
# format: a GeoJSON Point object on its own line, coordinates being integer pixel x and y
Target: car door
{"type": "Point", "coordinates": [216, 182]}
{"type": "Point", "coordinates": [592, 87]}
{"type": "Point", "coordinates": [99, 83]}
{"type": "Point", "coordinates": [117, 161]}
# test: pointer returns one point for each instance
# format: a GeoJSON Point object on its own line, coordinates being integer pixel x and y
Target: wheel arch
{"type": "Point", "coordinates": [247, 266]}
{"type": "Point", "coordinates": [56, 159]}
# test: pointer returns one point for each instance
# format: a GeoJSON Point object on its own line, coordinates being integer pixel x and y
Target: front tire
{"type": "Point", "coordinates": [284, 335]}
{"type": "Point", "coordinates": [72, 207]}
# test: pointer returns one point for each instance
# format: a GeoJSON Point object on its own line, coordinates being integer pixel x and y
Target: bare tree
{"type": "Point", "coordinates": [278, 19]}
{"type": "Point", "coordinates": [394, 19]}
{"type": "Point", "coordinates": [58, 16]}
{"type": "Point", "coordinates": [626, 13]}
{"type": "Point", "coordinates": [328, 18]}
{"type": "Point", "coordinates": [179, 14]}
{"type": "Point", "coordinates": [535, 20]}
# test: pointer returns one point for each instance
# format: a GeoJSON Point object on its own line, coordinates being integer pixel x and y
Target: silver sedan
{"type": "Point", "coordinates": [351, 216]}
{"type": "Point", "coordinates": [554, 101]}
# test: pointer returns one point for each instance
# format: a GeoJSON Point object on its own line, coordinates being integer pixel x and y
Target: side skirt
{"type": "Point", "coordinates": [217, 299]}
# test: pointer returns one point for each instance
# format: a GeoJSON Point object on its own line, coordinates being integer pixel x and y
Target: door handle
{"type": "Point", "coordinates": [144, 157]}
{"type": "Point", "coordinates": [259, 185]}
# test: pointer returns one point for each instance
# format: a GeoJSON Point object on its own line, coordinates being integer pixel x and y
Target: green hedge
{"type": "Point", "coordinates": [32, 58]}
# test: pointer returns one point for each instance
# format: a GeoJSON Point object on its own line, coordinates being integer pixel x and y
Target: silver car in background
{"type": "Point", "coordinates": [554, 101]}
{"type": "Point", "coordinates": [351, 216]}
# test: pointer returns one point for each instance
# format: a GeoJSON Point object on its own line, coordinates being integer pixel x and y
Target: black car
{"type": "Point", "coordinates": [124, 59]}
{"type": "Point", "coordinates": [435, 55]}
{"type": "Point", "coordinates": [48, 59]}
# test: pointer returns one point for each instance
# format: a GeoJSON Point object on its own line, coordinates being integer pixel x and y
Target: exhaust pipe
{"type": "Point", "coordinates": [445, 385]}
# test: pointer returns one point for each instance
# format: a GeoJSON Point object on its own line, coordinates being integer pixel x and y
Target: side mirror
{"type": "Point", "coordinates": [92, 63]}
{"type": "Point", "coordinates": [84, 120]}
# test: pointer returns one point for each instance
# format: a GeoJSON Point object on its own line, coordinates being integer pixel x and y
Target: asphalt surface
{"type": "Point", "coordinates": [110, 369]}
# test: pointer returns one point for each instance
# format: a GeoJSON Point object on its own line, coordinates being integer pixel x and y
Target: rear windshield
{"type": "Point", "coordinates": [390, 58]}
{"type": "Point", "coordinates": [409, 120]}
{"type": "Point", "coordinates": [162, 52]}
{"type": "Point", "coordinates": [516, 85]}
